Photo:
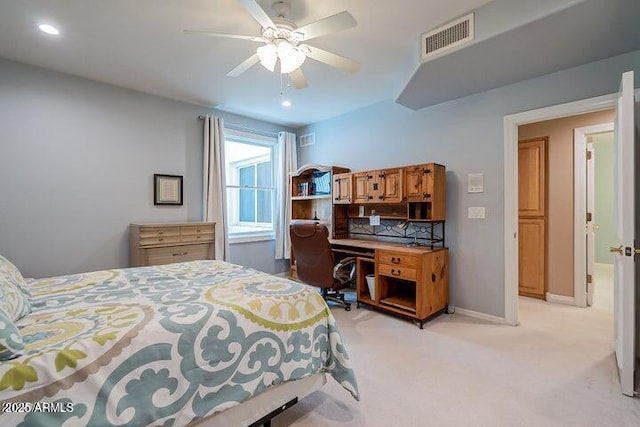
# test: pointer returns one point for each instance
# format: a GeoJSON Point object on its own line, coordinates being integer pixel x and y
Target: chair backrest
{"type": "Point", "coordinates": [312, 252]}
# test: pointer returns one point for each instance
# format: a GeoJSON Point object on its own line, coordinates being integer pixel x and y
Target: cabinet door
{"type": "Point", "coordinates": [342, 188]}
{"type": "Point", "coordinates": [391, 183]}
{"type": "Point", "coordinates": [360, 187]}
{"type": "Point", "coordinates": [374, 186]}
{"type": "Point", "coordinates": [531, 256]}
{"type": "Point", "coordinates": [414, 182]}
{"type": "Point", "coordinates": [531, 177]}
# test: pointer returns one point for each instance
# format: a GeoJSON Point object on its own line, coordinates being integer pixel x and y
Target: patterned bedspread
{"type": "Point", "coordinates": [164, 345]}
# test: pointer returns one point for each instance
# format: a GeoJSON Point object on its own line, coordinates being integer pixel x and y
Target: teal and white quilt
{"type": "Point", "coordinates": [164, 345]}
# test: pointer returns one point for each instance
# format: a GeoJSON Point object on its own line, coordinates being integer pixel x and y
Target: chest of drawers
{"type": "Point", "coordinates": [155, 244]}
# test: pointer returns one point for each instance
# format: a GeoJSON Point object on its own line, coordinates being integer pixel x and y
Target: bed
{"type": "Point", "coordinates": [195, 343]}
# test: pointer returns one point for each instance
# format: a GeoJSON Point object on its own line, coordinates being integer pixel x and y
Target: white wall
{"type": "Point", "coordinates": [466, 135]}
{"type": "Point", "coordinates": [77, 159]}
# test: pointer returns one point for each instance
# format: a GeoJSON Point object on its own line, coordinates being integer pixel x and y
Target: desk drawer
{"type": "Point", "coordinates": [197, 233]}
{"type": "Point", "coordinates": [159, 235]}
{"type": "Point", "coordinates": [397, 259]}
{"type": "Point", "coordinates": [401, 272]}
{"type": "Point", "coordinates": [171, 254]}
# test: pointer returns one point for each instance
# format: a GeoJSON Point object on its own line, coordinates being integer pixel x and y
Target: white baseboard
{"type": "Point", "coordinates": [478, 315]}
{"type": "Point", "coordinates": [560, 299]}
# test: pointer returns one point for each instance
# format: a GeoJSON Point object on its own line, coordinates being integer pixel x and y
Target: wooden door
{"type": "Point", "coordinates": [532, 182]}
{"type": "Point", "coordinates": [391, 183]}
{"type": "Point", "coordinates": [531, 250]}
{"type": "Point", "coordinates": [360, 189]}
{"type": "Point", "coordinates": [531, 177]}
{"type": "Point", "coordinates": [342, 188]}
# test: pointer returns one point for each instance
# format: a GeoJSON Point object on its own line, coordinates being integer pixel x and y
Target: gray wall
{"type": "Point", "coordinates": [76, 164]}
{"type": "Point", "coordinates": [466, 135]}
{"type": "Point", "coordinates": [604, 200]}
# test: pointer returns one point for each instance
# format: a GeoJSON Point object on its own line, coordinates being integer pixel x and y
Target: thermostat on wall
{"type": "Point", "coordinates": [475, 183]}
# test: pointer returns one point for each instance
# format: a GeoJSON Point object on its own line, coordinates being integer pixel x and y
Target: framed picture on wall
{"type": "Point", "coordinates": [167, 189]}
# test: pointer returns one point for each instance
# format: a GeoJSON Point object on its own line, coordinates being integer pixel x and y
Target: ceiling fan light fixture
{"type": "Point", "coordinates": [268, 56]}
{"type": "Point", "coordinates": [291, 58]}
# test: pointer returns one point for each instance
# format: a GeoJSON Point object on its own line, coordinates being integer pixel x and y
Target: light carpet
{"type": "Point", "coordinates": [556, 368]}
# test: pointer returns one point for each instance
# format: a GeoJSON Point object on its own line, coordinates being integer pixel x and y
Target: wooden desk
{"type": "Point", "coordinates": [411, 281]}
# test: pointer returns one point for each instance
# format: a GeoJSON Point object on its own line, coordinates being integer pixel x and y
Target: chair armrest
{"type": "Point", "coordinates": [340, 266]}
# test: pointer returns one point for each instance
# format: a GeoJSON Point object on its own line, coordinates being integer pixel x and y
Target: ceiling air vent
{"type": "Point", "coordinates": [447, 37]}
{"type": "Point", "coordinates": [308, 139]}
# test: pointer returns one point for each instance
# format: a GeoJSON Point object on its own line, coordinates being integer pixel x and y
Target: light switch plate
{"type": "Point", "coordinates": [476, 212]}
{"type": "Point", "coordinates": [374, 220]}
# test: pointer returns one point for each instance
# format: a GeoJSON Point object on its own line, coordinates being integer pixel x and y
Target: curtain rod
{"type": "Point", "coordinates": [245, 128]}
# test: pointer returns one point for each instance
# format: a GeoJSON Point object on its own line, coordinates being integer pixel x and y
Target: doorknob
{"type": "Point", "coordinates": [618, 250]}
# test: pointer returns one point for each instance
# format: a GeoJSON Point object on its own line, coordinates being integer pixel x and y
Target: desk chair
{"type": "Point", "coordinates": [315, 264]}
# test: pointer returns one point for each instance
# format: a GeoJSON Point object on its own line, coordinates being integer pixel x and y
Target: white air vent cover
{"type": "Point", "coordinates": [308, 139]}
{"type": "Point", "coordinates": [447, 37]}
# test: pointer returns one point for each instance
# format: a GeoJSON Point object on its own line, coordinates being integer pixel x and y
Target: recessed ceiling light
{"type": "Point", "coordinates": [286, 103]}
{"type": "Point", "coordinates": [49, 29]}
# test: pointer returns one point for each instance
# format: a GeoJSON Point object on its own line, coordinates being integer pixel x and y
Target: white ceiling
{"type": "Point", "coordinates": [141, 45]}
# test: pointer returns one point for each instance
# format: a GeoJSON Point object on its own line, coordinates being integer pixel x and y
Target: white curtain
{"type": "Point", "coordinates": [287, 162]}
{"type": "Point", "coordinates": [214, 205]}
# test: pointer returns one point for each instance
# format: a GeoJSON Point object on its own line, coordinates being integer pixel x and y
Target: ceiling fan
{"type": "Point", "coordinates": [282, 41]}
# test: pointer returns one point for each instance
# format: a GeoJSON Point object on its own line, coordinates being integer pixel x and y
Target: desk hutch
{"type": "Point", "coordinates": [406, 253]}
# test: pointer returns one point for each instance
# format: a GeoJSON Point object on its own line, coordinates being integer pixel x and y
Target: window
{"type": "Point", "coordinates": [250, 185]}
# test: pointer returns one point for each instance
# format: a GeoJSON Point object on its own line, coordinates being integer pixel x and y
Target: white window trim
{"type": "Point", "coordinates": [271, 142]}
{"type": "Point", "coordinates": [252, 237]}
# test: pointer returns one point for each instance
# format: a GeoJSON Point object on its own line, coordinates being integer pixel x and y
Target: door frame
{"type": "Point", "coordinates": [580, 208]}
{"type": "Point", "coordinates": [511, 123]}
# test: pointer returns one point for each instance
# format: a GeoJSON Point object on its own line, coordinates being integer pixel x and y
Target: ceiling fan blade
{"type": "Point", "coordinates": [298, 79]}
{"type": "Point", "coordinates": [229, 36]}
{"type": "Point", "coordinates": [258, 13]}
{"type": "Point", "coordinates": [330, 58]}
{"type": "Point", "coordinates": [248, 63]}
{"type": "Point", "coordinates": [330, 24]}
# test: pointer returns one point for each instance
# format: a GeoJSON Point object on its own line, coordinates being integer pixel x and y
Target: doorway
{"type": "Point", "coordinates": [511, 124]}
{"type": "Point", "coordinates": [563, 251]}
{"type": "Point", "coordinates": [594, 223]}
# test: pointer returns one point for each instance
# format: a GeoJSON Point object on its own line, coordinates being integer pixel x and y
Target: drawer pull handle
{"type": "Point", "coordinates": [160, 239]}
{"type": "Point", "coordinates": [181, 254]}
{"type": "Point", "coordinates": [395, 272]}
{"type": "Point", "coordinates": [160, 233]}
{"type": "Point", "coordinates": [198, 237]}
{"type": "Point", "coordinates": [395, 260]}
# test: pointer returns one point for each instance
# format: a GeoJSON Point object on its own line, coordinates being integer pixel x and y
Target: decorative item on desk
{"type": "Point", "coordinates": [321, 182]}
{"type": "Point", "coordinates": [403, 226]}
{"type": "Point", "coordinates": [303, 189]}
{"type": "Point", "coordinates": [315, 216]}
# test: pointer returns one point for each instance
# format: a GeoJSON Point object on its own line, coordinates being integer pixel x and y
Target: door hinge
{"type": "Point", "coordinates": [588, 155]}
{"type": "Point", "coordinates": [589, 278]}
{"type": "Point", "coordinates": [588, 216]}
